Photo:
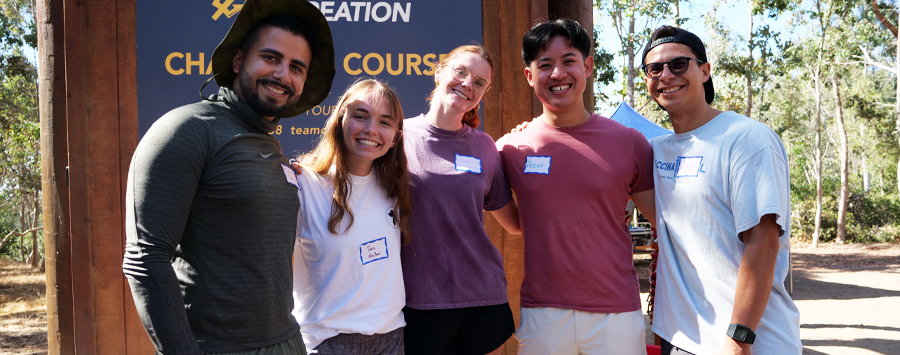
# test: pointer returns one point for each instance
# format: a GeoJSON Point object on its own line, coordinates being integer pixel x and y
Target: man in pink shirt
{"type": "Point", "coordinates": [573, 173]}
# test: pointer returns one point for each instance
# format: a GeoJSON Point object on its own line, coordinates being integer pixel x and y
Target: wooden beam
{"type": "Point", "coordinates": [509, 102]}
{"type": "Point", "coordinates": [52, 106]}
{"type": "Point", "coordinates": [102, 133]}
{"type": "Point", "coordinates": [79, 194]}
{"type": "Point", "coordinates": [136, 339]}
{"type": "Point", "coordinates": [581, 11]}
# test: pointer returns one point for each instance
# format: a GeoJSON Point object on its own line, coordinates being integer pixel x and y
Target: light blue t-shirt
{"type": "Point", "coordinates": [713, 183]}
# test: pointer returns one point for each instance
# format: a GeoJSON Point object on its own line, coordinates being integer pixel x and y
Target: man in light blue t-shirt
{"type": "Point", "coordinates": [723, 214]}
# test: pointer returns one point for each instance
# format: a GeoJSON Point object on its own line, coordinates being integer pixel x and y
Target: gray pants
{"type": "Point", "coordinates": [390, 343]}
{"type": "Point", "coordinates": [292, 346]}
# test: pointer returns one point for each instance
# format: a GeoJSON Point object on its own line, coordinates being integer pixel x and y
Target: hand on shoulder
{"type": "Point", "coordinates": [520, 127]}
{"type": "Point", "coordinates": [296, 166]}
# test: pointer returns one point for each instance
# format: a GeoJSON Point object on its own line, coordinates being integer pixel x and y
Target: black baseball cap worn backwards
{"type": "Point", "coordinates": [321, 69]}
{"type": "Point", "coordinates": [691, 40]}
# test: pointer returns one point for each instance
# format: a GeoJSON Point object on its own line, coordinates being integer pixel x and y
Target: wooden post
{"type": "Point", "coordinates": [511, 101]}
{"type": "Point", "coordinates": [89, 129]}
{"type": "Point", "coordinates": [52, 106]}
{"type": "Point", "coordinates": [581, 11]}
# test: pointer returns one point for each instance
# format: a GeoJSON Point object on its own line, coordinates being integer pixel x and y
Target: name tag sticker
{"type": "Point", "coordinates": [536, 164]}
{"type": "Point", "coordinates": [290, 176]}
{"type": "Point", "coordinates": [688, 167]}
{"type": "Point", "coordinates": [374, 250]}
{"type": "Point", "coordinates": [467, 163]}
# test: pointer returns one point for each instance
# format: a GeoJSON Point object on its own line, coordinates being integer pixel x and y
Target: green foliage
{"type": "Point", "coordinates": [604, 67]}
{"type": "Point", "coordinates": [873, 218]}
{"type": "Point", "coordinates": [20, 159]}
{"type": "Point", "coordinates": [803, 210]}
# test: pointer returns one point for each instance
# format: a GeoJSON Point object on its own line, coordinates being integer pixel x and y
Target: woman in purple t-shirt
{"type": "Point", "coordinates": [455, 286]}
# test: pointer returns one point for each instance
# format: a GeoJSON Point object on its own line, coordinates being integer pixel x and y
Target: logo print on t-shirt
{"type": "Point", "coordinates": [392, 217]}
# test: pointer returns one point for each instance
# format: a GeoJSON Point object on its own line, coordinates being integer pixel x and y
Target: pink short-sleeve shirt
{"type": "Point", "coordinates": [572, 186]}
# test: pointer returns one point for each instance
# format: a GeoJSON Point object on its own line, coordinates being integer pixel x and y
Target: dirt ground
{"type": "Point", "coordinates": [848, 296]}
{"type": "Point", "coordinates": [23, 310]}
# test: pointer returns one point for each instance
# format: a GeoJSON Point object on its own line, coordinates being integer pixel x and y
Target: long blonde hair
{"type": "Point", "coordinates": [389, 169]}
{"type": "Point", "coordinates": [469, 118]}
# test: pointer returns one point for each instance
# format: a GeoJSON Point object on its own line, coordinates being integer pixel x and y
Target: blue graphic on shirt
{"type": "Point", "coordinates": [682, 167]}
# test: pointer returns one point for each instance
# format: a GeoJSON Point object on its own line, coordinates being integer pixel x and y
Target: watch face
{"type": "Point", "coordinates": [740, 333]}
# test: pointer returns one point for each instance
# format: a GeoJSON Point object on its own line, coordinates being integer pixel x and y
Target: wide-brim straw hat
{"type": "Point", "coordinates": [321, 68]}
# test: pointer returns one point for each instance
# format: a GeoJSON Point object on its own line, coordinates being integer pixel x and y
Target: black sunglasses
{"type": "Point", "coordinates": [677, 66]}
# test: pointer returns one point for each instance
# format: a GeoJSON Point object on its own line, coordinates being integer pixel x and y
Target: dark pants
{"type": "Point", "coordinates": [293, 346]}
{"type": "Point", "coordinates": [669, 349]}
{"type": "Point", "coordinates": [458, 331]}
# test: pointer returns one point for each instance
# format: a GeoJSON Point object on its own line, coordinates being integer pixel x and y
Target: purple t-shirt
{"type": "Point", "coordinates": [572, 186]}
{"type": "Point", "coordinates": [451, 262]}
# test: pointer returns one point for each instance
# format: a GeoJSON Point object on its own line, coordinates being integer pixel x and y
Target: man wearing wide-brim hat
{"type": "Point", "coordinates": [212, 204]}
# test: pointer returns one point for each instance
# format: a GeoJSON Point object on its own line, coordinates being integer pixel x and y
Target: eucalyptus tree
{"type": "Point", "coordinates": [20, 177]}
{"type": "Point", "coordinates": [883, 12]}
{"type": "Point", "coordinates": [625, 15]}
{"type": "Point", "coordinates": [817, 57]}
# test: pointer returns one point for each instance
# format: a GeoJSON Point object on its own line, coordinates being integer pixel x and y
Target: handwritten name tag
{"type": "Point", "coordinates": [536, 164]}
{"type": "Point", "coordinates": [688, 166]}
{"type": "Point", "coordinates": [374, 250]}
{"type": "Point", "coordinates": [467, 163]}
{"type": "Point", "coordinates": [290, 176]}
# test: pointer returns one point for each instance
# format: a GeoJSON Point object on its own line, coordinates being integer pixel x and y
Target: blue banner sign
{"type": "Point", "coordinates": [398, 42]}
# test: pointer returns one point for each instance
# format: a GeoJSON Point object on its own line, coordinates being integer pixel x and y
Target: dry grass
{"type": "Point", "coordinates": [23, 310]}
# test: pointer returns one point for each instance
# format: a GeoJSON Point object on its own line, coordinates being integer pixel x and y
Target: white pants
{"type": "Point", "coordinates": [558, 331]}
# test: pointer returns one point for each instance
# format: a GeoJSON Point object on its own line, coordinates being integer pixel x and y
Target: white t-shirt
{"type": "Point", "coordinates": [713, 183]}
{"type": "Point", "coordinates": [350, 282]}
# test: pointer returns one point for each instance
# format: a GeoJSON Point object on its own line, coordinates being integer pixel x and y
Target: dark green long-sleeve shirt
{"type": "Point", "coordinates": [211, 221]}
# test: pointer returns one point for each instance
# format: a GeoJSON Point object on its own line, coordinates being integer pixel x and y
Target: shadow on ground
{"type": "Point", "coordinates": [806, 288]}
{"type": "Point", "coordinates": [855, 326]}
{"type": "Point", "coordinates": [876, 346]}
{"type": "Point", "coordinates": [24, 333]}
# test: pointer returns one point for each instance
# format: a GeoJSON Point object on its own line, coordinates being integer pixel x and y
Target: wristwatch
{"type": "Point", "coordinates": [741, 333]}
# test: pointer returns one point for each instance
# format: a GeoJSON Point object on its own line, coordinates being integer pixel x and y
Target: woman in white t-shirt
{"type": "Point", "coordinates": [354, 197]}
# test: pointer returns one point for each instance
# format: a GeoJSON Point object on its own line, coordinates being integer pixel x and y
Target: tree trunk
{"type": "Point", "coordinates": [750, 66]}
{"type": "Point", "coordinates": [23, 226]}
{"type": "Point", "coordinates": [676, 11]}
{"type": "Point", "coordinates": [845, 161]}
{"type": "Point", "coordinates": [867, 177]}
{"type": "Point", "coordinates": [897, 102]}
{"type": "Point", "coordinates": [884, 21]}
{"type": "Point", "coordinates": [35, 254]}
{"type": "Point", "coordinates": [818, 93]}
{"type": "Point", "coordinates": [629, 50]}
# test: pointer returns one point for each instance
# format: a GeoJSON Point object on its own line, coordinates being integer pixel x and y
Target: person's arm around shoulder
{"type": "Point", "coordinates": [755, 277]}
{"type": "Point", "coordinates": [646, 203]}
{"type": "Point", "coordinates": [508, 217]}
{"type": "Point", "coordinates": [643, 161]}
{"type": "Point", "coordinates": [162, 179]}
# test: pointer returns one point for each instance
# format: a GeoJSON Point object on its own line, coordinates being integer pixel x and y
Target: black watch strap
{"type": "Point", "coordinates": [741, 333]}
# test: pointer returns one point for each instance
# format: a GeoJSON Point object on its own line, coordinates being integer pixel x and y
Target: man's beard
{"type": "Point", "coordinates": [263, 107]}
